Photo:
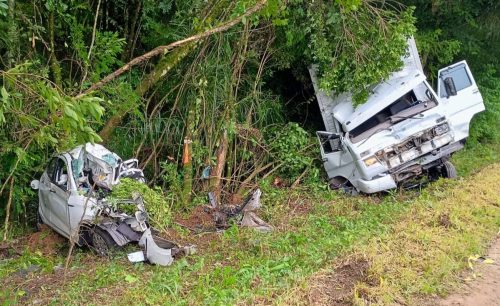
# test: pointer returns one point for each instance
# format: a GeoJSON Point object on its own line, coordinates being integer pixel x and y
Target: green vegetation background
{"type": "Point", "coordinates": [239, 102]}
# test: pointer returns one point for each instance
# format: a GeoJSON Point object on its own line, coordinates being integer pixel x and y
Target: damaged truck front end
{"type": "Point", "coordinates": [74, 200]}
{"type": "Point", "coordinates": [404, 132]}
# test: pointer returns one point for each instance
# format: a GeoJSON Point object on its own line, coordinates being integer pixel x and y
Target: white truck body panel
{"type": "Point", "coordinates": [402, 130]}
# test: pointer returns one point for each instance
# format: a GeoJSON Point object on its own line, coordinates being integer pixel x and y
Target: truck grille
{"type": "Point", "coordinates": [415, 146]}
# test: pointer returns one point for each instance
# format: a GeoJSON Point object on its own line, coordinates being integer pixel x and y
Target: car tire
{"type": "Point", "coordinates": [102, 243]}
{"type": "Point", "coordinates": [39, 221]}
{"type": "Point", "coordinates": [448, 170]}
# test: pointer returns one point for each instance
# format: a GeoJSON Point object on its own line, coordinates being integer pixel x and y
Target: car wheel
{"type": "Point", "coordinates": [102, 243]}
{"type": "Point", "coordinates": [448, 170]}
{"type": "Point", "coordinates": [39, 221]}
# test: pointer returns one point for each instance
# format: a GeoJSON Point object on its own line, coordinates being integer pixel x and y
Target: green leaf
{"type": "Point", "coordinates": [70, 112]}
{"type": "Point", "coordinates": [5, 95]}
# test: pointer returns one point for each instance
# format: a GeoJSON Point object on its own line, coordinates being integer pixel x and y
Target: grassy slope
{"type": "Point", "coordinates": [313, 227]}
{"type": "Point", "coordinates": [424, 251]}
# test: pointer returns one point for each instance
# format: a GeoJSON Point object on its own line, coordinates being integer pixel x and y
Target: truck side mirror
{"type": "Point", "coordinates": [449, 86]}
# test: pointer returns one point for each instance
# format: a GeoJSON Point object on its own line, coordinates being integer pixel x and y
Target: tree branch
{"type": "Point", "coordinates": [166, 48]}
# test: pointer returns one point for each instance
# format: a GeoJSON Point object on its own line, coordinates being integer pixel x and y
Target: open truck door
{"type": "Point", "coordinates": [461, 97]}
{"type": "Point", "coordinates": [335, 157]}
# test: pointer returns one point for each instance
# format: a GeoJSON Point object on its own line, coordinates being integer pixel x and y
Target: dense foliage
{"type": "Point", "coordinates": [211, 105]}
{"type": "Point", "coordinates": [449, 31]}
{"type": "Point", "coordinates": [157, 204]}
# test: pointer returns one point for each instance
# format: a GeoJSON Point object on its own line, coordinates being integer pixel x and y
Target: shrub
{"type": "Point", "coordinates": [157, 204]}
{"type": "Point", "coordinates": [290, 147]}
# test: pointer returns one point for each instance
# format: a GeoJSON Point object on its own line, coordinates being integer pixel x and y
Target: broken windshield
{"type": "Point", "coordinates": [406, 107]}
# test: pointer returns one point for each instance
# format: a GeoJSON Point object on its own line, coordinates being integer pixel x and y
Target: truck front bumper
{"type": "Point", "coordinates": [375, 185]}
{"type": "Point", "coordinates": [385, 182]}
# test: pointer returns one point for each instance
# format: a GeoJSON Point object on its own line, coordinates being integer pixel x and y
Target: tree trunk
{"type": "Point", "coordinates": [167, 63]}
{"type": "Point", "coordinates": [13, 37]}
{"type": "Point", "coordinates": [187, 169]}
{"type": "Point", "coordinates": [216, 175]}
{"type": "Point", "coordinates": [132, 31]}
{"type": "Point", "coordinates": [170, 61]}
{"type": "Point", "coordinates": [148, 83]}
{"type": "Point", "coordinates": [187, 155]}
{"type": "Point", "coordinates": [54, 64]}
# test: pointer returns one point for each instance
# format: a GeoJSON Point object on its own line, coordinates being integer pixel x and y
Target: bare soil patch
{"type": "Point", "coordinates": [38, 287]}
{"type": "Point", "coordinates": [199, 218]}
{"type": "Point", "coordinates": [337, 287]}
{"type": "Point", "coordinates": [12, 248]}
{"type": "Point", "coordinates": [46, 241]}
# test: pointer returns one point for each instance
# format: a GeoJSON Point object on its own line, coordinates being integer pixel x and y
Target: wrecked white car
{"type": "Point", "coordinates": [73, 200]}
{"type": "Point", "coordinates": [405, 131]}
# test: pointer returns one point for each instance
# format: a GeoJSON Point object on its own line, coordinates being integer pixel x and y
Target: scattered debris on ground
{"type": "Point", "coordinates": [244, 214]}
{"type": "Point", "coordinates": [216, 217]}
{"type": "Point", "coordinates": [482, 286]}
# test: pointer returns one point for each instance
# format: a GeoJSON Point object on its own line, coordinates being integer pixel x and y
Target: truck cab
{"type": "Point", "coordinates": [403, 132]}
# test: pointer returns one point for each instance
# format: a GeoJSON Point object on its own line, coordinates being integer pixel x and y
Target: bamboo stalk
{"type": "Point", "coordinates": [9, 204]}
{"type": "Point", "coordinates": [54, 63]}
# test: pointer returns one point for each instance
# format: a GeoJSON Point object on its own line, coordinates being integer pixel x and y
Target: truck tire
{"type": "Point", "coordinates": [448, 170]}
{"type": "Point", "coordinates": [102, 243]}
{"type": "Point", "coordinates": [337, 183]}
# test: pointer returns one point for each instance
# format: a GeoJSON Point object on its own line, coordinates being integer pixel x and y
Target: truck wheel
{"type": "Point", "coordinates": [448, 170]}
{"type": "Point", "coordinates": [102, 242]}
{"type": "Point", "coordinates": [337, 182]}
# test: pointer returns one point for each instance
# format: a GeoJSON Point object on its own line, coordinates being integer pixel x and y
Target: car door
{"type": "Point", "coordinates": [58, 198]}
{"type": "Point", "coordinates": [461, 97]}
{"type": "Point", "coordinates": [44, 191]}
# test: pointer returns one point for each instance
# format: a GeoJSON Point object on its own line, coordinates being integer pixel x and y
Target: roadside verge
{"type": "Point", "coordinates": [421, 256]}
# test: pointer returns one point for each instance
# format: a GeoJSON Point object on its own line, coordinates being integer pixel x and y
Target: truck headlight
{"type": "Point", "coordinates": [370, 161]}
{"type": "Point", "coordinates": [441, 129]}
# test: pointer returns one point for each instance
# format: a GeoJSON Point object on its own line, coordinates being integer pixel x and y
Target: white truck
{"type": "Point", "coordinates": [405, 131]}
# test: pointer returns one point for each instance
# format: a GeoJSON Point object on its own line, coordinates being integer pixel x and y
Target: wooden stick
{"type": "Point", "coordinates": [297, 181]}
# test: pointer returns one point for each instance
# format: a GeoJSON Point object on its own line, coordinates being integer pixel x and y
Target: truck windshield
{"type": "Point", "coordinates": [415, 101]}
